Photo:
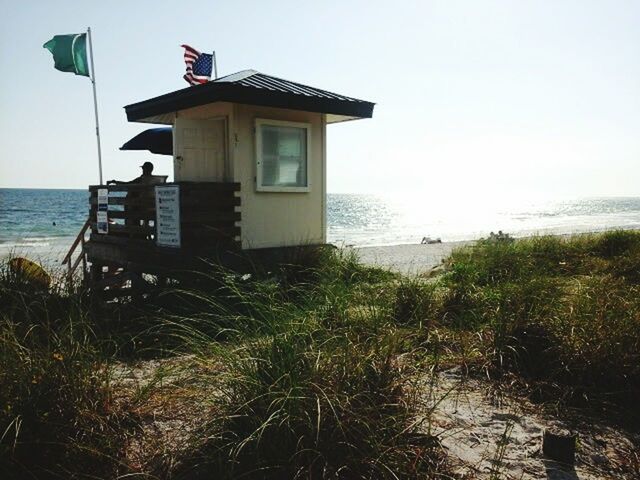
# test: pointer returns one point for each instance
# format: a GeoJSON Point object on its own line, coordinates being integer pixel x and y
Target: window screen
{"type": "Point", "coordinates": [283, 156]}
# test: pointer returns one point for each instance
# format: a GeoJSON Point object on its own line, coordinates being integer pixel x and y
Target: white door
{"type": "Point", "coordinates": [200, 150]}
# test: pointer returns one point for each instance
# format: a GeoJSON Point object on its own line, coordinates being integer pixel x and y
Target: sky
{"type": "Point", "coordinates": [474, 98]}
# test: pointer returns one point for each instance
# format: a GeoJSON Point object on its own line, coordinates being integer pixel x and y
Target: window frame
{"type": "Point", "coordinates": [259, 122]}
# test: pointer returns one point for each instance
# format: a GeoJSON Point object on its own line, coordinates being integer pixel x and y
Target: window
{"type": "Point", "coordinates": [282, 156]}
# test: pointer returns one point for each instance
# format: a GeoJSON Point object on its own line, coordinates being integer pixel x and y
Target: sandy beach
{"type": "Point", "coordinates": [49, 252]}
{"type": "Point", "coordinates": [410, 259]}
{"type": "Point", "coordinates": [416, 259]}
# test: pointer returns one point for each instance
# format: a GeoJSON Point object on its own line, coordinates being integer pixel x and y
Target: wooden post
{"type": "Point", "coordinates": [84, 260]}
{"type": "Point", "coordinates": [95, 273]}
{"type": "Point", "coordinates": [559, 445]}
{"type": "Point", "coordinates": [69, 274]}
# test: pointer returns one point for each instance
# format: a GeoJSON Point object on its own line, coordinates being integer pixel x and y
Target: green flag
{"type": "Point", "coordinates": [69, 53]}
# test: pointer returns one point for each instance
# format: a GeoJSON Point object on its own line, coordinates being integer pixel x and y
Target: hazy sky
{"type": "Point", "coordinates": [525, 97]}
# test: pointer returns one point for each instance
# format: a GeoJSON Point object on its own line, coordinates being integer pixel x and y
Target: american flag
{"type": "Point", "coordinates": [199, 66]}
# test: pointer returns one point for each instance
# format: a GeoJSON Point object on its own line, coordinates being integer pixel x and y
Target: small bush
{"type": "Point", "coordinates": [344, 266]}
{"type": "Point", "coordinates": [600, 330]}
{"type": "Point", "coordinates": [563, 311]}
{"type": "Point", "coordinates": [56, 415]}
{"type": "Point", "coordinates": [626, 267]}
{"type": "Point", "coordinates": [301, 405]}
{"type": "Point", "coordinates": [531, 350]}
{"type": "Point", "coordinates": [618, 242]}
{"type": "Point", "coordinates": [415, 302]}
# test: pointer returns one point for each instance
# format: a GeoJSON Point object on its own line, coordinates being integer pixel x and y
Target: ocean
{"type": "Point", "coordinates": [46, 221]}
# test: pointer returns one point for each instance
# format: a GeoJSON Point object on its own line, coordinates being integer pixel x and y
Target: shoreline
{"type": "Point", "coordinates": [404, 258]}
{"type": "Point", "coordinates": [416, 259]}
{"type": "Point", "coordinates": [49, 254]}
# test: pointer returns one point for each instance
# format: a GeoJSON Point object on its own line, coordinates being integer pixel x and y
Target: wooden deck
{"type": "Point", "coordinates": [209, 225]}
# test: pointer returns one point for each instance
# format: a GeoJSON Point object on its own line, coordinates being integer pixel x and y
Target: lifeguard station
{"type": "Point", "coordinates": [249, 157]}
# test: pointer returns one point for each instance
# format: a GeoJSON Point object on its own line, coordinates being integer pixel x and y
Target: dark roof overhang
{"type": "Point", "coordinates": [254, 89]}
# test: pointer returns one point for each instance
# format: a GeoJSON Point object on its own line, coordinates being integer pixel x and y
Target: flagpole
{"type": "Point", "coordinates": [95, 103]}
{"type": "Point", "coordinates": [215, 65]}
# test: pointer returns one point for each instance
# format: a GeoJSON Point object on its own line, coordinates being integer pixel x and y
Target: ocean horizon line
{"type": "Point", "coordinates": [536, 196]}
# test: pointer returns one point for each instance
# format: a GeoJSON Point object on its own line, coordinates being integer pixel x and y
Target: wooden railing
{"type": "Point", "coordinates": [72, 265]}
{"type": "Point", "coordinates": [208, 213]}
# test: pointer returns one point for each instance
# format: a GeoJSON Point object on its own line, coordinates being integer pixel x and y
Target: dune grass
{"type": "Point", "coordinates": [312, 385]}
{"type": "Point", "coordinates": [313, 369]}
{"type": "Point", "coordinates": [305, 380]}
{"type": "Point", "coordinates": [561, 312]}
{"type": "Point", "coordinates": [56, 415]}
{"type": "Point", "coordinates": [301, 405]}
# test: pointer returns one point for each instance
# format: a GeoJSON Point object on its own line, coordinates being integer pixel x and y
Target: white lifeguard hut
{"type": "Point", "coordinates": [268, 135]}
{"type": "Point", "coordinates": [250, 164]}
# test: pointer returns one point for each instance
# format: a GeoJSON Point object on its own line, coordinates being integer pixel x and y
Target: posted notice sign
{"type": "Point", "coordinates": [168, 215]}
{"type": "Point", "coordinates": [102, 217]}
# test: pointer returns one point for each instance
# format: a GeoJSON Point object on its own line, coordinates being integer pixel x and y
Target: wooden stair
{"type": "Point", "coordinates": [72, 265]}
{"type": "Point", "coordinates": [111, 281]}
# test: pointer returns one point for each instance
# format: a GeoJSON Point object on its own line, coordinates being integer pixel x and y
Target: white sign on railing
{"type": "Point", "coordinates": [102, 217]}
{"type": "Point", "coordinates": [168, 215]}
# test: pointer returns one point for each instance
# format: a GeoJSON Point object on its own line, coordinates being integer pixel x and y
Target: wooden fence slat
{"type": "Point", "coordinates": [189, 186]}
{"type": "Point", "coordinates": [117, 228]}
{"type": "Point", "coordinates": [129, 201]}
{"type": "Point", "coordinates": [187, 231]}
{"type": "Point", "coordinates": [206, 202]}
{"type": "Point", "coordinates": [190, 216]}
{"type": "Point", "coordinates": [186, 217]}
{"type": "Point", "coordinates": [230, 231]}
{"type": "Point", "coordinates": [125, 187]}
{"type": "Point", "coordinates": [208, 221]}
{"type": "Point", "coordinates": [196, 187]}
{"type": "Point", "coordinates": [121, 241]}
{"type": "Point", "coordinates": [119, 214]}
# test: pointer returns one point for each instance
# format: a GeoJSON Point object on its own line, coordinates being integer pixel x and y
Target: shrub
{"type": "Point", "coordinates": [617, 242]}
{"type": "Point", "coordinates": [563, 311]}
{"type": "Point", "coordinates": [56, 415]}
{"type": "Point", "coordinates": [415, 302]}
{"type": "Point", "coordinates": [302, 405]}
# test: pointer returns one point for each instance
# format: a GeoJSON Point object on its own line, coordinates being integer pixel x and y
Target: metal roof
{"type": "Point", "coordinates": [251, 78]}
{"type": "Point", "coordinates": [254, 88]}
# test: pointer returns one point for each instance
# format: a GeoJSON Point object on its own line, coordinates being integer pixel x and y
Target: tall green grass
{"type": "Point", "coordinates": [304, 405]}
{"type": "Point", "coordinates": [312, 385]}
{"type": "Point", "coordinates": [57, 419]}
{"type": "Point", "coordinates": [315, 364]}
{"type": "Point", "coordinates": [563, 311]}
{"type": "Point", "coordinates": [309, 367]}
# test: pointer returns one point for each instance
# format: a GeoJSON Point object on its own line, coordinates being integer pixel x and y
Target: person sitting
{"type": "Point", "coordinates": [147, 177]}
{"type": "Point", "coordinates": [136, 215]}
{"type": "Point", "coordinates": [430, 241]}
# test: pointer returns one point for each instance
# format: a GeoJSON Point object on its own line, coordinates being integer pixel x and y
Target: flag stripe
{"type": "Point", "coordinates": [190, 49]}
{"type": "Point", "coordinates": [198, 66]}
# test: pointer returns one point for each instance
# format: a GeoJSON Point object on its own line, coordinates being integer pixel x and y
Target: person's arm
{"type": "Point", "coordinates": [122, 182]}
